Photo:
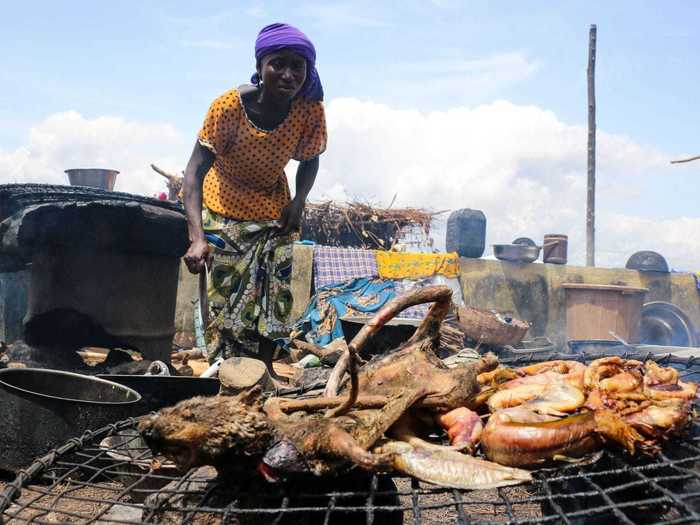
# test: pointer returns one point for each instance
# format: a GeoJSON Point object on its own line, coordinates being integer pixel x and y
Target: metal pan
{"type": "Point", "coordinates": [164, 391]}
{"type": "Point", "coordinates": [516, 252]}
{"type": "Point", "coordinates": [40, 409]}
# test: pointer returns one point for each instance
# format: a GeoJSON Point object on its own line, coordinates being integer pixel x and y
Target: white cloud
{"type": "Point", "coordinates": [519, 164]}
{"type": "Point", "coordinates": [69, 140]}
{"type": "Point", "coordinates": [677, 239]}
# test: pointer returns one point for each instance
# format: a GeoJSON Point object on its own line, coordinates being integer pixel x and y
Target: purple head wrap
{"type": "Point", "coordinates": [283, 36]}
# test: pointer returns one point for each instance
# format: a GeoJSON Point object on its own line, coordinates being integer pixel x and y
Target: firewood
{"type": "Point", "coordinates": [194, 353]}
{"type": "Point", "coordinates": [198, 366]}
{"type": "Point", "coordinates": [315, 349]}
{"type": "Point", "coordinates": [284, 370]}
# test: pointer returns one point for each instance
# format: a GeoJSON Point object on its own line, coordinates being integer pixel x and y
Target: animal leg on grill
{"type": "Point", "coordinates": [429, 329]}
{"type": "Point", "coordinates": [415, 362]}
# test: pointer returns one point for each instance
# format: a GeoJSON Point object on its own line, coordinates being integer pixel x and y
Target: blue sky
{"type": "Point", "coordinates": [166, 60]}
{"type": "Point", "coordinates": [163, 62]}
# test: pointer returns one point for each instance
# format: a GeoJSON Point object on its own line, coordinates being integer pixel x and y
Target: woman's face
{"type": "Point", "coordinates": [283, 74]}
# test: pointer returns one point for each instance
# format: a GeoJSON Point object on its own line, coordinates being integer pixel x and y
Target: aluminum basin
{"type": "Point", "coordinates": [95, 178]}
{"type": "Point", "coordinates": [41, 409]}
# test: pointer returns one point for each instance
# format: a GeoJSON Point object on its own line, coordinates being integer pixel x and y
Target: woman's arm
{"type": "Point", "coordinates": [197, 167]}
{"type": "Point", "coordinates": [290, 221]}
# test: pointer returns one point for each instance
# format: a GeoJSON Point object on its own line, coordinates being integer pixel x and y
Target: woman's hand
{"type": "Point", "coordinates": [290, 220]}
{"type": "Point", "coordinates": [197, 167]}
{"type": "Point", "coordinates": [198, 255]}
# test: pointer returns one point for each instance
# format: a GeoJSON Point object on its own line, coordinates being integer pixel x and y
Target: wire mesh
{"type": "Point", "coordinates": [110, 476]}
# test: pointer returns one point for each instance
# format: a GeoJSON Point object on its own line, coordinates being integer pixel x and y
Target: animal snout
{"type": "Point", "coordinates": [149, 433]}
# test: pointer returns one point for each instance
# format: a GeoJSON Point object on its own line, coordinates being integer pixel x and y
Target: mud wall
{"type": "Point", "coordinates": [534, 292]}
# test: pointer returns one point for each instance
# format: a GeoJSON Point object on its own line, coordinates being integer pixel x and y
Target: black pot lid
{"type": "Point", "coordinates": [665, 324]}
{"type": "Point", "coordinates": [647, 261]}
{"type": "Point", "coordinates": [525, 240]}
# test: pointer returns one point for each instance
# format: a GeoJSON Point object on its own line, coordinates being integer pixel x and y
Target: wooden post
{"type": "Point", "coordinates": [681, 161]}
{"type": "Point", "coordinates": [590, 210]}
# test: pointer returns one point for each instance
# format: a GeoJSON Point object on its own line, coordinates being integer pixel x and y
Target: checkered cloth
{"type": "Point", "coordinates": [340, 265]}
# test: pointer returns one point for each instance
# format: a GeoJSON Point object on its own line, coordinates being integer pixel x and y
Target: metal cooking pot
{"type": "Point", "coordinates": [164, 391]}
{"type": "Point", "coordinates": [516, 252]}
{"type": "Point", "coordinates": [41, 409]}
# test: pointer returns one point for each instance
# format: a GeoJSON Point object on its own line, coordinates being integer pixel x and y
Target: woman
{"type": "Point", "coordinates": [241, 219]}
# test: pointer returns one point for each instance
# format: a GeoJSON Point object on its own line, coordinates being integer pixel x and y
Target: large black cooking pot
{"type": "Point", "coordinates": [41, 409]}
{"type": "Point", "coordinates": [164, 391]}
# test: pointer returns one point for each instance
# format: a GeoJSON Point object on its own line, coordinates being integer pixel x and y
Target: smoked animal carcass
{"type": "Point", "coordinates": [287, 436]}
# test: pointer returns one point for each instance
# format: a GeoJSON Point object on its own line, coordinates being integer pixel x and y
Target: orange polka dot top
{"type": "Point", "coordinates": [247, 180]}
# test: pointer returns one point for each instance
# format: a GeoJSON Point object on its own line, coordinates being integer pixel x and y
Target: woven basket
{"type": "Point", "coordinates": [483, 326]}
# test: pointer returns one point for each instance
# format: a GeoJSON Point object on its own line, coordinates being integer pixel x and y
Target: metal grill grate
{"type": "Point", "coordinates": [90, 480]}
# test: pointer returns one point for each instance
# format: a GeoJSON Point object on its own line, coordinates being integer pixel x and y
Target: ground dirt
{"type": "Point", "coordinates": [60, 505]}
{"type": "Point", "coordinates": [434, 508]}
{"type": "Point", "coordinates": [80, 504]}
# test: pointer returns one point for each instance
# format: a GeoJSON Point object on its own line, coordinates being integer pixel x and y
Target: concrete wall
{"type": "Point", "coordinates": [534, 292]}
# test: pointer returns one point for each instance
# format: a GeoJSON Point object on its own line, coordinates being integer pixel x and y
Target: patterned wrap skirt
{"type": "Point", "coordinates": [248, 285]}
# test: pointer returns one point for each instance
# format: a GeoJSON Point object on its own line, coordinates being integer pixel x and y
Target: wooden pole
{"type": "Point", "coordinates": [590, 210]}
{"type": "Point", "coordinates": [680, 161]}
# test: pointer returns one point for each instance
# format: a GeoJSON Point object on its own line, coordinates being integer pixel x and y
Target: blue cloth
{"type": "Point", "coordinates": [321, 320]}
{"type": "Point", "coordinates": [283, 36]}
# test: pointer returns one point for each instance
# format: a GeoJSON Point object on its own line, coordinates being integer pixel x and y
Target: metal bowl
{"type": "Point", "coordinates": [95, 178]}
{"type": "Point", "coordinates": [164, 391]}
{"type": "Point", "coordinates": [516, 252]}
{"type": "Point", "coordinates": [40, 409]}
